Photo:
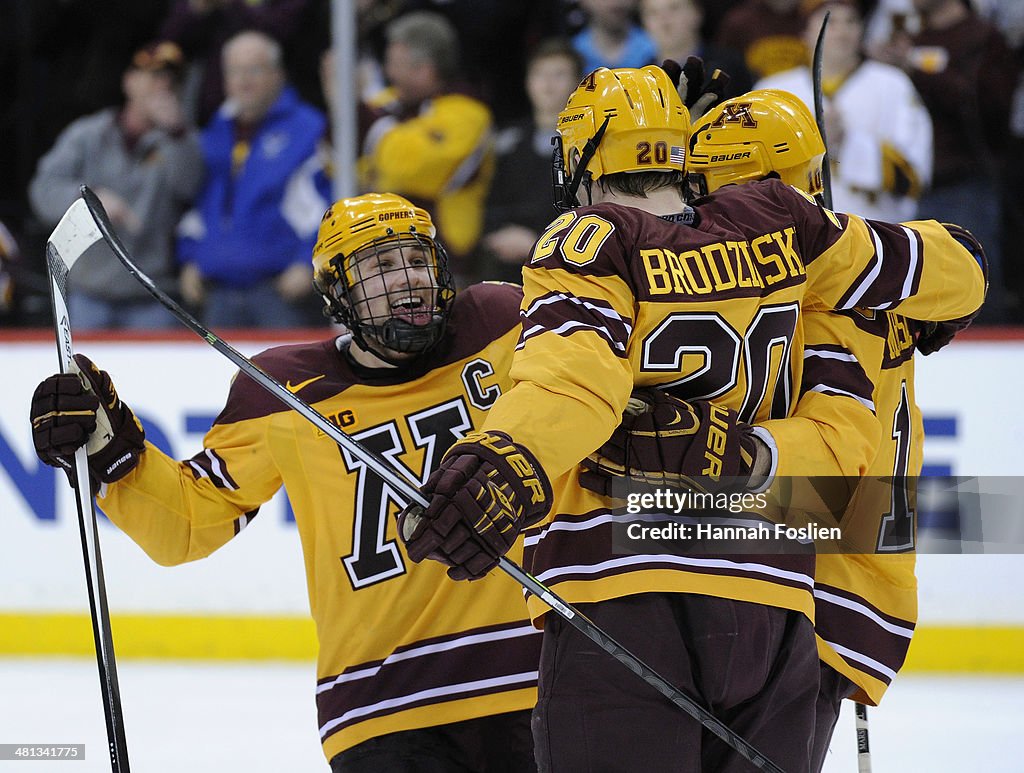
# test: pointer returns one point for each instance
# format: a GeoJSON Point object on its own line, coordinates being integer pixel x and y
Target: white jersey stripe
{"type": "Point", "coordinates": [706, 563]}
{"type": "Point", "coordinates": [556, 297]}
{"type": "Point", "coordinates": [876, 269]}
{"type": "Point", "coordinates": [908, 283]}
{"type": "Point", "coordinates": [827, 355]}
{"type": "Point", "coordinates": [571, 325]}
{"type": "Point", "coordinates": [826, 389]}
{"type": "Point", "coordinates": [858, 657]}
{"type": "Point", "coordinates": [860, 609]}
{"type": "Point", "coordinates": [218, 470]}
{"type": "Point", "coordinates": [428, 649]}
{"type": "Point", "coordinates": [524, 678]}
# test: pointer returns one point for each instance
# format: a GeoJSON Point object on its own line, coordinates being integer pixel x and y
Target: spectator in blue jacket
{"type": "Point", "coordinates": [611, 37]}
{"type": "Point", "coordinates": [245, 246]}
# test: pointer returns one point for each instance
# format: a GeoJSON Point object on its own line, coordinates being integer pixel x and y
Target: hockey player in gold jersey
{"type": "Point", "coordinates": [625, 293]}
{"type": "Point", "coordinates": [865, 596]}
{"type": "Point", "coordinates": [415, 672]}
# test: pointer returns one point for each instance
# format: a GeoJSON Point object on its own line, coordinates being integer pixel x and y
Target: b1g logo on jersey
{"type": "Point", "coordinates": [738, 113]}
{"type": "Point", "coordinates": [340, 419]}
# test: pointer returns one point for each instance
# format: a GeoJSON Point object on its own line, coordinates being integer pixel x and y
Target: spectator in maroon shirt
{"type": "Point", "coordinates": [768, 33]}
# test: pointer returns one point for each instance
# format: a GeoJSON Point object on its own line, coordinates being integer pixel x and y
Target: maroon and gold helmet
{"type": "Point", "coordinates": [355, 236]}
{"type": "Point", "coordinates": [622, 120]}
{"type": "Point", "coordinates": [751, 136]}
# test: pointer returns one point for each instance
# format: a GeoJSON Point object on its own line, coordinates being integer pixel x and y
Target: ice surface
{"type": "Point", "coordinates": [260, 718]}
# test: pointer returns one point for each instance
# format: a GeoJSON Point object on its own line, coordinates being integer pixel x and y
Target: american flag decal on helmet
{"type": "Point", "coordinates": [677, 155]}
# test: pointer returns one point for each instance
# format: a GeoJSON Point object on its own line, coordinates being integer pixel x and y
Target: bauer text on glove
{"type": "Point", "coordinates": [487, 489]}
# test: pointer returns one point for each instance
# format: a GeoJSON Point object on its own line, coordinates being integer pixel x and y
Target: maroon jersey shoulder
{"type": "Point", "coordinates": [769, 205]}
{"type": "Point", "coordinates": [493, 304]}
{"type": "Point", "coordinates": [313, 371]}
{"type": "Point", "coordinates": [482, 313]}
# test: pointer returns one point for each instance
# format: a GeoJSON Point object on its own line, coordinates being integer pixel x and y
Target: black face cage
{"type": "Point", "coordinates": [398, 324]}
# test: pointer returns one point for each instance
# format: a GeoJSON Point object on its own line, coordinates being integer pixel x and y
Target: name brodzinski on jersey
{"type": "Point", "coordinates": [722, 266]}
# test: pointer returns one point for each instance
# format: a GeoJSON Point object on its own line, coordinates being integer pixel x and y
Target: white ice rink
{"type": "Point", "coordinates": [259, 718]}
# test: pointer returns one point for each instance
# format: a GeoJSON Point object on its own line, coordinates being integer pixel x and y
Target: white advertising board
{"type": "Point", "coordinates": [969, 395]}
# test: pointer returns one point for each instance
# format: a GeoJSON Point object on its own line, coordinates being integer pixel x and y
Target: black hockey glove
{"type": "Point", "coordinates": [666, 442]}
{"type": "Point", "coordinates": [689, 81]}
{"type": "Point", "coordinates": [487, 489]}
{"type": "Point", "coordinates": [929, 337]}
{"type": "Point", "coordinates": [71, 410]}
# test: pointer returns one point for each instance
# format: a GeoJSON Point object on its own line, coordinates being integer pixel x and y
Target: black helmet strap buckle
{"type": "Point", "coordinates": [565, 195]}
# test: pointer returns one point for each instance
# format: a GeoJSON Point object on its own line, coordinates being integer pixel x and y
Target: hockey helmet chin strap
{"type": "Point", "coordinates": [565, 195]}
{"type": "Point", "coordinates": [397, 335]}
{"type": "Point", "coordinates": [392, 336]}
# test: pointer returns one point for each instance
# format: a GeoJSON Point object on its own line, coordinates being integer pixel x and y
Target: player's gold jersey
{"type": "Point", "coordinates": [401, 645]}
{"type": "Point", "coordinates": [866, 599]}
{"type": "Point", "coordinates": [616, 298]}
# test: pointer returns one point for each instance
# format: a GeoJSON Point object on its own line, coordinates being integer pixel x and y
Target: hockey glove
{"type": "Point", "coordinates": [487, 489]}
{"type": "Point", "coordinates": [929, 337]}
{"type": "Point", "coordinates": [666, 442]}
{"type": "Point", "coordinates": [689, 82]}
{"type": "Point", "coordinates": [75, 409]}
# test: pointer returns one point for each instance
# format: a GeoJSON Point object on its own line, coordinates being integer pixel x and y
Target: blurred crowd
{"type": "Point", "coordinates": [204, 128]}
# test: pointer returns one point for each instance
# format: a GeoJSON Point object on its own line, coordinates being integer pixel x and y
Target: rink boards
{"type": "Point", "coordinates": [249, 601]}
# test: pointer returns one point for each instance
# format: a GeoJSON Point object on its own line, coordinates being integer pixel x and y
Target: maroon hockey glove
{"type": "Point", "coordinates": [665, 442]}
{"type": "Point", "coordinates": [929, 337]}
{"type": "Point", "coordinates": [72, 410]}
{"type": "Point", "coordinates": [485, 492]}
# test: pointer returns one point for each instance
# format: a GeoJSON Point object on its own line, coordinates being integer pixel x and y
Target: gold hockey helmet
{"type": "Point", "coordinates": [623, 120]}
{"type": "Point", "coordinates": [750, 136]}
{"type": "Point", "coordinates": [384, 317]}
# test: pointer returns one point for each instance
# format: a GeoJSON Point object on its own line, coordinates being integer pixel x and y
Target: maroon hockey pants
{"type": "Point", "coordinates": [754, 667]}
{"type": "Point", "coordinates": [833, 689]}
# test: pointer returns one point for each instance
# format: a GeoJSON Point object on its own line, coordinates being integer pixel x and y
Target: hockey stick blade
{"type": "Point", "coordinates": [819, 111]}
{"type": "Point", "coordinates": [404, 487]}
{"type": "Point", "coordinates": [68, 242]}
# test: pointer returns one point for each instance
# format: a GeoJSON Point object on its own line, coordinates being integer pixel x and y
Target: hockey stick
{"type": "Point", "coordinates": [863, 748]}
{"type": "Point", "coordinates": [74, 234]}
{"type": "Point", "coordinates": [819, 111]}
{"type": "Point", "coordinates": [409, 490]}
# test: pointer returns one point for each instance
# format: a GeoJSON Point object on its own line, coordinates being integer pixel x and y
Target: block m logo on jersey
{"type": "Point", "coordinates": [375, 556]}
{"type": "Point", "coordinates": [738, 113]}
